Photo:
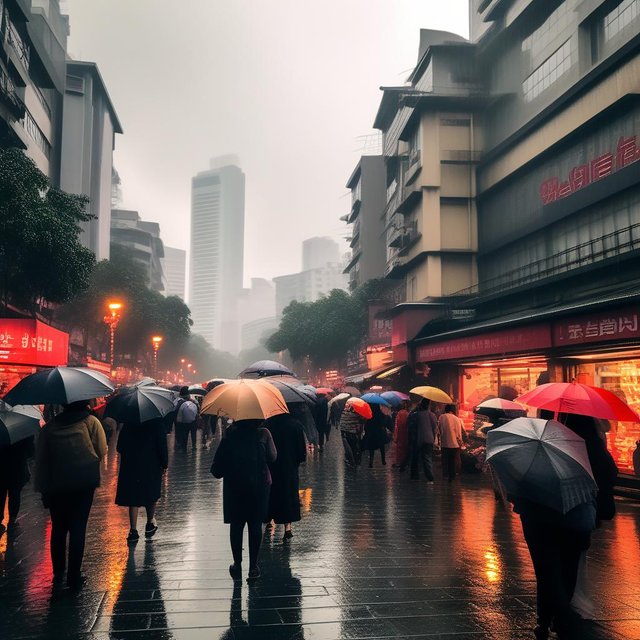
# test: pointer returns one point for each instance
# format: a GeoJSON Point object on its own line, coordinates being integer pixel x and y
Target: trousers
{"type": "Point", "coordinates": [183, 430]}
{"type": "Point", "coordinates": [351, 444]}
{"type": "Point", "coordinates": [450, 458]}
{"type": "Point", "coordinates": [422, 454]}
{"type": "Point", "coordinates": [14, 502]}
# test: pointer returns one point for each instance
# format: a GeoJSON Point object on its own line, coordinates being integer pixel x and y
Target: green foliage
{"type": "Point", "coordinates": [41, 258]}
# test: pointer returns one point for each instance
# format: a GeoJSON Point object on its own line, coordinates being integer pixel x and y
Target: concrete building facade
{"type": "Point", "coordinates": [368, 238]}
{"type": "Point", "coordinates": [217, 252]}
{"type": "Point", "coordinates": [174, 265]}
{"type": "Point", "coordinates": [90, 124]}
{"type": "Point", "coordinates": [318, 252]}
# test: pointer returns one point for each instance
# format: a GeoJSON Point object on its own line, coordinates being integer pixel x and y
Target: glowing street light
{"type": "Point", "coordinates": [155, 341]}
{"type": "Point", "coordinates": [111, 319]}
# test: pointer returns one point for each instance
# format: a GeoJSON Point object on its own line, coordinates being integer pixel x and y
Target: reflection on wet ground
{"type": "Point", "coordinates": [375, 556]}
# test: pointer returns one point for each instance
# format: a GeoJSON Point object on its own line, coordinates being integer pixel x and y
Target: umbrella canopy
{"type": "Point", "coordinates": [18, 423]}
{"type": "Point", "coordinates": [245, 400]}
{"type": "Point", "coordinates": [341, 397]}
{"type": "Point", "coordinates": [405, 397]}
{"type": "Point", "coordinates": [392, 398]}
{"type": "Point", "coordinates": [499, 407]}
{"type": "Point", "coordinates": [352, 391]}
{"type": "Point", "coordinates": [361, 407]}
{"type": "Point", "coordinates": [146, 382]}
{"type": "Point", "coordinates": [292, 394]}
{"type": "Point", "coordinates": [197, 390]}
{"type": "Point", "coordinates": [264, 368]}
{"type": "Point", "coordinates": [542, 461]}
{"type": "Point", "coordinates": [374, 398]}
{"type": "Point", "coordinates": [432, 393]}
{"type": "Point", "coordinates": [573, 397]}
{"type": "Point", "coordinates": [60, 385]}
{"type": "Point", "coordinates": [324, 390]}
{"type": "Point", "coordinates": [140, 404]}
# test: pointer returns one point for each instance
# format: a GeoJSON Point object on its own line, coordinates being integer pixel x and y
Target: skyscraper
{"type": "Point", "coordinates": [217, 252]}
{"type": "Point", "coordinates": [174, 265]}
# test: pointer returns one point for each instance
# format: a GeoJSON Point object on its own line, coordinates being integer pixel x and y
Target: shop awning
{"type": "Point", "coordinates": [385, 371]}
{"type": "Point", "coordinates": [391, 372]}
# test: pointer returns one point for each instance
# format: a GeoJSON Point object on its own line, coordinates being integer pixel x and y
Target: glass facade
{"type": "Point", "coordinates": [549, 72]}
{"type": "Point", "coordinates": [543, 37]}
{"type": "Point", "coordinates": [620, 18]}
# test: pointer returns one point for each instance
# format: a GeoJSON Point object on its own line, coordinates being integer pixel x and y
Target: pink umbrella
{"type": "Point", "coordinates": [573, 397]}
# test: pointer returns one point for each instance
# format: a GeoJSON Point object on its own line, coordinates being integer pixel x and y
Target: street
{"type": "Point", "coordinates": [375, 556]}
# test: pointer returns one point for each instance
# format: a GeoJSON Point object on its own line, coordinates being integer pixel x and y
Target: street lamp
{"type": "Point", "coordinates": [112, 318]}
{"type": "Point", "coordinates": [155, 340]}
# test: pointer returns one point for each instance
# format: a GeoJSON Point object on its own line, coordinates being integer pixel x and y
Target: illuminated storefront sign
{"type": "Point", "coordinates": [31, 342]}
{"type": "Point", "coordinates": [609, 325]}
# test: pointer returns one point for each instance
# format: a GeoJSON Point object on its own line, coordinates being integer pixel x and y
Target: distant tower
{"type": "Point", "coordinates": [319, 252]}
{"type": "Point", "coordinates": [217, 252]}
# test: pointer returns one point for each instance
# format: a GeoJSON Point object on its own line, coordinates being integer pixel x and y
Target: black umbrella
{"type": "Point", "coordinates": [61, 385]}
{"type": "Point", "coordinates": [292, 394]}
{"type": "Point", "coordinates": [264, 368]}
{"type": "Point", "coordinates": [197, 390]}
{"type": "Point", "coordinates": [18, 423]}
{"type": "Point", "coordinates": [140, 404]}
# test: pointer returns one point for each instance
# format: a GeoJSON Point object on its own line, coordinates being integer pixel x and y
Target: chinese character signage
{"type": "Point", "coordinates": [32, 342]}
{"type": "Point", "coordinates": [626, 153]}
{"type": "Point", "coordinates": [610, 325]}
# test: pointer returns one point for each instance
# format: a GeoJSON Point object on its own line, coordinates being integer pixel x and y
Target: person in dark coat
{"type": "Point", "coordinates": [422, 426]}
{"type": "Point", "coordinates": [143, 460]}
{"type": "Point", "coordinates": [14, 474]}
{"type": "Point", "coordinates": [242, 460]}
{"type": "Point", "coordinates": [320, 412]}
{"type": "Point", "coordinates": [375, 434]}
{"type": "Point", "coordinates": [284, 501]}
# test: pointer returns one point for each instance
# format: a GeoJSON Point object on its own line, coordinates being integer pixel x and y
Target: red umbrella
{"type": "Point", "coordinates": [361, 407]}
{"type": "Point", "coordinates": [573, 397]}
{"type": "Point", "coordinates": [324, 390]}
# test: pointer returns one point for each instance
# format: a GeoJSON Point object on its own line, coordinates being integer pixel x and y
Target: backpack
{"type": "Point", "coordinates": [187, 411]}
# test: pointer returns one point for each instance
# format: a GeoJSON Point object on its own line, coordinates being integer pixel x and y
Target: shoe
{"type": "Point", "coordinates": [150, 529]}
{"type": "Point", "coordinates": [133, 536]}
{"type": "Point", "coordinates": [235, 571]}
{"type": "Point", "coordinates": [287, 535]}
{"type": "Point", "coordinates": [254, 574]}
{"type": "Point", "coordinates": [75, 584]}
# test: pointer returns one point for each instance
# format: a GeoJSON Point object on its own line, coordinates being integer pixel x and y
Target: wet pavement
{"type": "Point", "coordinates": [375, 556]}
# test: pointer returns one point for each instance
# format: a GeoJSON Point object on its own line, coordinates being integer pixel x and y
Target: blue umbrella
{"type": "Point", "coordinates": [375, 398]}
{"type": "Point", "coordinates": [392, 399]}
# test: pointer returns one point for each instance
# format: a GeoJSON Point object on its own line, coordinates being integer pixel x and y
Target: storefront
{"type": "Point", "coordinates": [599, 348]}
{"type": "Point", "coordinates": [26, 345]}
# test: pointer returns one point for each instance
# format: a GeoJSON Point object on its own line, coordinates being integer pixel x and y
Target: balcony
{"type": "Point", "coordinates": [15, 41]}
{"type": "Point", "coordinates": [9, 96]}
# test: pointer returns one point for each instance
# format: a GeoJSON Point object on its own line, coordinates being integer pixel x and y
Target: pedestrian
{"type": "Point", "coordinates": [186, 420]}
{"type": "Point", "coordinates": [67, 472]}
{"type": "Point", "coordinates": [242, 461]}
{"type": "Point", "coordinates": [401, 438]}
{"type": "Point", "coordinates": [375, 434]}
{"type": "Point", "coordinates": [284, 500]}
{"type": "Point", "coordinates": [450, 435]}
{"type": "Point", "coordinates": [557, 541]}
{"type": "Point", "coordinates": [143, 460]}
{"type": "Point", "coordinates": [351, 429]}
{"type": "Point", "coordinates": [320, 414]}
{"type": "Point", "coordinates": [636, 459]}
{"type": "Point", "coordinates": [303, 414]}
{"type": "Point", "coordinates": [422, 425]}
{"type": "Point", "coordinates": [14, 475]}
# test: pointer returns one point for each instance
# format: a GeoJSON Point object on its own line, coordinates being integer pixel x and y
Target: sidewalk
{"type": "Point", "coordinates": [375, 556]}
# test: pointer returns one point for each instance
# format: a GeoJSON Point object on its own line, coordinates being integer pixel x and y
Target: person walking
{"type": "Point", "coordinates": [401, 438]}
{"type": "Point", "coordinates": [320, 414]}
{"type": "Point", "coordinates": [375, 434]}
{"type": "Point", "coordinates": [143, 460]}
{"type": "Point", "coordinates": [242, 461]}
{"type": "Point", "coordinates": [422, 425]}
{"type": "Point", "coordinates": [351, 429]}
{"type": "Point", "coordinates": [186, 420]}
{"type": "Point", "coordinates": [14, 475]}
{"type": "Point", "coordinates": [284, 500]}
{"type": "Point", "coordinates": [67, 472]}
{"type": "Point", "coordinates": [450, 435]}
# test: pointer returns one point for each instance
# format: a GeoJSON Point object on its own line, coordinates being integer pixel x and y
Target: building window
{"type": "Point", "coordinates": [551, 70]}
{"type": "Point", "coordinates": [622, 16]}
{"type": "Point", "coordinates": [542, 38]}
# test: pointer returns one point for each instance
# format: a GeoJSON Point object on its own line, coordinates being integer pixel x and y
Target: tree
{"type": "Point", "coordinates": [41, 257]}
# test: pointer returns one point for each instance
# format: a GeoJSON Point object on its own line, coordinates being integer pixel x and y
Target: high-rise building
{"type": "Point", "coordinates": [217, 252]}
{"type": "Point", "coordinates": [318, 252]}
{"type": "Point", "coordinates": [88, 138]}
{"type": "Point", "coordinates": [142, 239]}
{"type": "Point", "coordinates": [174, 265]}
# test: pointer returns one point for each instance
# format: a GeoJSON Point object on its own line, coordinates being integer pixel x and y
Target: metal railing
{"type": "Point", "coordinates": [10, 96]}
{"type": "Point", "coordinates": [608, 246]}
{"type": "Point", "coordinates": [31, 127]}
{"type": "Point", "coordinates": [14, 39]}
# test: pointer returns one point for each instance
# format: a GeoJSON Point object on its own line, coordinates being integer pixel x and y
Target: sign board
{"type": "Point", "coordinates": [31, 342]}
{"type": "Point", "coordinates": [599, 327]}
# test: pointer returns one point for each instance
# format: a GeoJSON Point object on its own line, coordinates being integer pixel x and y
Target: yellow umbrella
{"type": "Point", "coordinates": [432, 393]}
{"type": "Point", "coordinates": [244, 400]}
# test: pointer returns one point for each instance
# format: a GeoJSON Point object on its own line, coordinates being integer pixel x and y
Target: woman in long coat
{"type": "Point", "coordinates": [284, 500]}
{"type": "Point", "coordinates": [375, 434]}
{"type": "Point", "coordinates": [401, 438]}
{"type": "Point", "coordinates": [242, 460]}
{"type": "Point", "coordinates": [143, 460]}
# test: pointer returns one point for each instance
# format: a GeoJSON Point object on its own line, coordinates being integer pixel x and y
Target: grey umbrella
{"type": "Point", "coordinates": [140, 404]}
{"type": "Point", "coordinates": [292, 394]}
{"type": "Point", "coordinates": [542, 461]}
{"type": "Point", "coordinates": [264, 368]}
{"type": "Point", "coordinates": [18, 423]}
{"type": "Point", "coordinates": [60, 385]}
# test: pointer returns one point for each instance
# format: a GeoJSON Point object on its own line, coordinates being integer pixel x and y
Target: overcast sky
{"type": "Point", "coordinates": [288, 85]}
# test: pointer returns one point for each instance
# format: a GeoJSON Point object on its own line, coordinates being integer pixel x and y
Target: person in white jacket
{"type": "Point", "coordinates": [450, 433]}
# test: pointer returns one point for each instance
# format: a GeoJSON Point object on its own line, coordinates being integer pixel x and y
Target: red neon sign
{"type": "Point", "coordinates": [627, 152]}
{"type": "Point", "coordinates": [32, 342]}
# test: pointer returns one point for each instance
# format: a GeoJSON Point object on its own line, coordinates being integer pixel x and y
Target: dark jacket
{"type": "Point", "coordinates": [143, 458]}
{"type": "Point", "coordinates": [68, 453]}
{"type": "Point", "coordinates": [320, 413]}
{"type": "Point", "coordinates": [351, 422]}
{"type": "Point", "coordinates": [242, 460]}
{"type": "Point", "coordinates": [422, 426]}
{"type": "Point", "coordinates": [288, 438]}
{"type": "Point", "coordinates": [375, 430]}
{"type": "Point", "coordinates": [14, 470]}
